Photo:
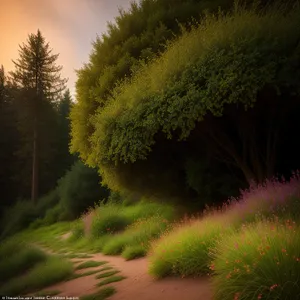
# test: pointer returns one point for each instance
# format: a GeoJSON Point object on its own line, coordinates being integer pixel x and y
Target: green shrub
{"type": "Point", "coordinates": [139, 234]}
{"type": "Point", "coordinates": [36, 224]}
{"type": "Point", "coordinates": [16, 263]}
{"type": "Point", "coordinates": [185, 251]}
{"type": "Point", "coordinates": [90, 264]}
{"type": "Point", "coordinates": [146, 208]}
{"type": "Point", "coordinates": [261, 261]}
{"type": "Point", "coordinates": [9, 246]}
{"type": "Point", "coordinates": [77, 231]}
{"type": "Point", "coordinates": [101, 294]}
{"type": "Point", "coordinates": [52, 215]}
{"type": "Point", "coordinates": [80, 188]}
{"type": "Point", "coordinates": [18, 217]}
{"type": "Point", "coordinates": [53, 270]}
{"type": "Point", "coordinates": [135, 251]}
{"type": "Point", "coordinates": [47, 202]}
{"type": "Point", "coordinates": [109, 218]}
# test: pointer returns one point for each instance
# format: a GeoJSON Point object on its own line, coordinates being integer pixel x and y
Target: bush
{"type": "Point", "coordinates": [52, 215]}
{"type": "Point", "coordinates": [108, 223]}
{"type": "Point", "coordinates": [132, 252]}
{"type": "Point", "coordinates": [77, 231]}
{"type": "Point", "coordinates": [18, 217]}
{"type": "Point", "coordinates": [47, 202]}
{"type": "Point", "coordinates": [16, 263]}
{"type": "Point", "coordinates": [185, 251]}
{"type": "Point", "coordinates": [114, 217]}
{"type": "Point", "coordinates": [272, 198]}
{"type": "Point", "coordinates": [79, 189]}
{"type": "Point", "coordinates": [53, 270]}
{"type": "Point", "coordinates": [259, 262]}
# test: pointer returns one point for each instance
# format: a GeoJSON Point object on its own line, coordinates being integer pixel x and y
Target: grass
{"type": "Point", "coordinates": [73, 255]}
{"type": "Point", "coordinates": [88, 273]}
{"type": "Point", "coordinates": [107, 274]}
{"type": "Point", "coordinates": [47, 293]}
{"type": "Point", "coordinates": [105, 269]}
{"type": "Point", "coordinates": [134, 251]}
{"type": "Point", "coordinates": [18, 261]}
{"type": "Point", "coordinates": [111, 279]}
{"type": "Point", "coordinates": [53, 270]}
{"type": "Point", "coordinates": [77, 231]}
{"type": "Point", "coordinates": [90, 264]}
{"type": "Point", "coordinates": [185, 250]}
{"type": "Point", "coordinates": [102, 294]}
{"type": "Point", "coordinates": [136, 238]}
{"type": "Point", "coordinates": [112, 217]}
{"type": "Point", "coordinates": [262, 261]}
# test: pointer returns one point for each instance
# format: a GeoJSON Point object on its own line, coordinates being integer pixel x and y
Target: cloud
{"type": "Point", "coordinates": [69, 26]}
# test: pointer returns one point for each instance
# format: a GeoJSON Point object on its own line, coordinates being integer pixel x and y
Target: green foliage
{"type": "Point", "coordinates": [15, 262]}
{"type": "Point", "coordinates": [113, 217]}
{"type": "Point", "coordinates": [259, 262]}
{"type": "Point", "coordinates": [77, 231]}
{"type": "Point", "coordinates": [138, 235]}
{"type": "Point", "coordinates": [220, 68]}
{"type": "Point", "coordinates": [79, 189]}
{"type": "Point", "coordinates": [106, 274]}
{"type": "Point", "coordinates": [185, 251]}
{"type": "Point", "coordinates": [110, 222]}
{"type": "Point", "coordinates": [38, 83]}
{"type": "Point", "coordinates": [137, 36]}
{"type": "Point", "coordinates": [101, 294]}
{"type": "Point", "coordinates": [18, 217]}
{"type": "Point", "coordinates": [135, 251]}
{"type": "Point", "coordinates": [47, 202]}
{"type": "Point", "coordinates": [90, 264]}
{"type": "Point", "coordinates": [52, 215]}
{"type": "Point", "coordinates": [44, 274]}
{"type": "Point", "coordinates": [111, 279]}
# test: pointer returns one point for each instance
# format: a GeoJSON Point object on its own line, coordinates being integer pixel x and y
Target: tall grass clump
{"type": "Point", "coordinates": [115, 217]}
{"type": "Point", "coordinates": [261, 261]}
{"type": "Point", "coordinates": [108, 219]}
{"type": "Point", "coordinates": [77, 231]}
{"type": "Point", "coordinates": [17, 262]}
{"type": "Point", "coordinates": [185, 250]}
{"type": "Point", "coordinates": [274, 197]}
{"type": "Point", "coordinates": [52, 270]}
{"type": "Point", "coordinates": [135, 240]}
{"type": "Point", "coordinates": [18, 217]}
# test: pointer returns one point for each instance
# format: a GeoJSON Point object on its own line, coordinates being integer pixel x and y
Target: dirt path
{"type": "Point", "coordinates": [138, 284]}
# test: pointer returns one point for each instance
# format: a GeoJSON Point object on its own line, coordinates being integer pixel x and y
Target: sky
{"type": "Point", "coordinates": [70, 27]}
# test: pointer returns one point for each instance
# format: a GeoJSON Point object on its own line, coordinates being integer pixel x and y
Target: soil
{"type": "Point", "coordinates": [138, 285]}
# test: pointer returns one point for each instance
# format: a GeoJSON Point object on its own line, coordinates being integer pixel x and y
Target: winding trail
{"type": "Point", "coordinates": [138, 284]}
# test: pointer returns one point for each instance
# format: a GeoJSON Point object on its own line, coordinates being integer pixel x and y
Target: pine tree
{"type": "Point", "coordinates": [38, 76]}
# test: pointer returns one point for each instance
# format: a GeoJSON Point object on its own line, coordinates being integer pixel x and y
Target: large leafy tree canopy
{"type": "Point", "coordinates": [219, 87]}
{"type": "Point", "coordinates": [137, 35]}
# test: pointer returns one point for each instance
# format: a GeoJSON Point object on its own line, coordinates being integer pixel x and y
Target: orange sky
{"type": "Point", "coordinates": [68, 25]}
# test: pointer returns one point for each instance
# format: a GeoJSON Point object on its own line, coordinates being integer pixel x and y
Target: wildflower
{"type": "Point", "coordinates": [273, 287]}
{"type": "Point", "coordinates": [259, 296]}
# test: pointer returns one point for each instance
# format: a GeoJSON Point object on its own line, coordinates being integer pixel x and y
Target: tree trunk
{"type": "Point", "coordinates": [35, 163]}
